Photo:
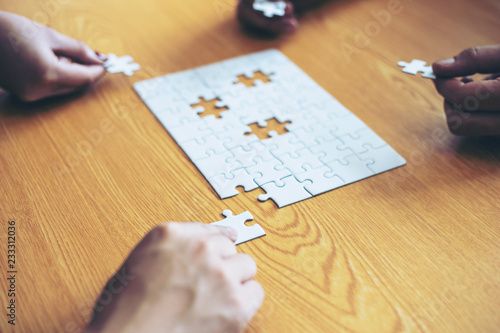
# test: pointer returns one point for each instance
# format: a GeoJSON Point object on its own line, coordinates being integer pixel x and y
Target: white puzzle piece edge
{"type": "Point", "coordinates": [416, 66]}
{"type": "Point", "coordinates": [245, 233]}
{"type": "Point", "coordinates": [124, 64]}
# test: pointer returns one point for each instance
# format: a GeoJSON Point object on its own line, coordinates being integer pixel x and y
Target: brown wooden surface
{"type": "Point", "coordinates": [415, 249]}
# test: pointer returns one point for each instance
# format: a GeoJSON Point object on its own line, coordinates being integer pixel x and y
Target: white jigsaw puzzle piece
{"type": "Point", "coordinates": [226, 186]}
{"type": "Point", "coordinates": [293, 191]}
{"type": "Point", "coordinates": [270, 8]}
{"type": "Point", "coordinates": [416, 66]}
{"type": "Point", "coordinates": [322, 180]}
{"type": "Point", "coordinates": [268, 171]}
{"type": "Point", "coordinates": [245, 233]}
{"type": "Point", "coordinates": [351, 169]}
{"type": "Point", "coordinates": [125, 65]}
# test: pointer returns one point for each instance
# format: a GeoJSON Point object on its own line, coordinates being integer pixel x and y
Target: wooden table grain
{"type": "Point", "coordinates": [414, 249]}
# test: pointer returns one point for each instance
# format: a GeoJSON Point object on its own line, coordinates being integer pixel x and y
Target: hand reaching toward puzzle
{"type": "Point", "coordinates": [184, 277]}
{"type": "Point", "coordinates": [38, 62]}
{"type": "Point", "coordinates": [471, 107]}
{"type": "Point", "coordinates": [273, 16]}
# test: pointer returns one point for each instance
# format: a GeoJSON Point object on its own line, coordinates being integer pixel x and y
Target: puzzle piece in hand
{"type": "Point", "coordinates": [326, 145]}
{"type": "Point", "coordinates": [270, 8]}
{"type": "Point", "coordinates": [125, 65]}
{"type": "Point", "coordinates": [416, 66]}
{"type": "Point", "coordinates": [245, 233]}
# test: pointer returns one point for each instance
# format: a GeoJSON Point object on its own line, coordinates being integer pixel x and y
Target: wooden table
{"type": "Point", "coordinates": [415, 249]}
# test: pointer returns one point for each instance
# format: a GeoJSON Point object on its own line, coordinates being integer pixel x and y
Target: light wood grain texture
{"type": "Point", "coordinates": [415, 249]}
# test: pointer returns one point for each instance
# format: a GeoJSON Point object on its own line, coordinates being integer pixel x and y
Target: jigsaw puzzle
{"type": "Point", "coordinates": [416, 66]}
{"type": "Point", "coordinates": [245, 233]}
{"type": "Point", "coordinates": [270, 8]}
{"type": "Point", "coordinates": [123, 65]}
{"type": "Point", "coordinates": [326, 145]}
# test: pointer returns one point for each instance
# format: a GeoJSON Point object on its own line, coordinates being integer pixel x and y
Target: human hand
{"type": "Point", "coordinates": [38, 62]}
{"type": "Point", "coordinates": [184, 278]}
{"type": "Point", "coordinates": [471, 107]}
{"type": "Point", "coordinates": [276, 25]}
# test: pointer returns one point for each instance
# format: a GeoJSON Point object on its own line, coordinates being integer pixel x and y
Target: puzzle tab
{"type": "Point", "coordinates": [245, 233]}
{"type": "Point", "coordinates": [320, 144]}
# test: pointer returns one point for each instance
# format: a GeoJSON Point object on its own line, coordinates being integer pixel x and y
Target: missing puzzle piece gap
{"type": "Point", "coordinates": [263, 128]}
{"type": "Point", "coordinates": [206, 107]}
{"type": "Point", "coordinates": [256, 79]}
{"type": "Point", "coordinates": [245, 233]}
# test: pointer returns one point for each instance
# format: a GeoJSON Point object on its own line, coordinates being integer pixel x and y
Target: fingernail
{"type": "Point", "coordinates": [101, 56]}
{"type": "Point", "coordinates": [446, 61]}
{"type": "Point", "coordinates": [233, 232]}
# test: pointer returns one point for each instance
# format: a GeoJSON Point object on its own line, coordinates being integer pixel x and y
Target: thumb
{"type": "Point", "coordinates": [77, 75]}
{"type": "Point", "coordinates": [483, 60]}
{"type": "Point", "coordinates": [71, 77]}
{"type": "Point", "coordinates": [229, 232]}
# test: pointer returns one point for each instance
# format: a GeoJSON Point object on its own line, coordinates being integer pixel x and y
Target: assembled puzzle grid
{"type": "Point", "coordinates": [326, 145]}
